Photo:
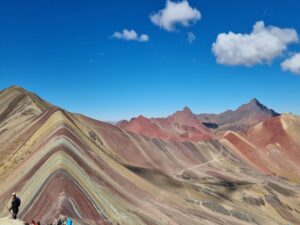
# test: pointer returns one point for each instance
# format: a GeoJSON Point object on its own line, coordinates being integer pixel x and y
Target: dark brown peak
{"type": "Point", "coordinates": [252, 104]}
{"type": "Point", "coordinates": [255, 105]}
{"type": "Point", "coordinates": [254, 101]}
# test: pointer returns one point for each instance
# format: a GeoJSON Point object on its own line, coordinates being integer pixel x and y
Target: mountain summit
{"type": "Point", "coordinates": [255, 106]}
{"type": "Point", "coordinates": [185, 125]}
{"type": "Point", "coordinates": [245, 116]}
{"type": "Point", "coordinates": [182, 125]}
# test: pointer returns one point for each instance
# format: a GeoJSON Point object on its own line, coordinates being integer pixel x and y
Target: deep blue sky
{"type": "Point", "coordinates": [63, 51]}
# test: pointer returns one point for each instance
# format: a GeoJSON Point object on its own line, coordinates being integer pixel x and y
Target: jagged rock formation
{"type": "Point", "coordinates": [61, 163]}
{"type": "Point", "coordinates": [185, 125]}
{"type": "Point", "coordinates": [182, 125]}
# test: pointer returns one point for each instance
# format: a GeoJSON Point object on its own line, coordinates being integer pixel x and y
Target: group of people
{"type": "Point", "coordinates": [14, 209]}
{"type": "Point", "coordinates": [62, 221]}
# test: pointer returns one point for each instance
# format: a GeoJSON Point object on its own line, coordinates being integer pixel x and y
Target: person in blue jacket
{"type": "Point", "coordinates": [69, 221]}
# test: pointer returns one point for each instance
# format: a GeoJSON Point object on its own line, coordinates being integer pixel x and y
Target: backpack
{"type": "Point", "coordinates": [18, 201]}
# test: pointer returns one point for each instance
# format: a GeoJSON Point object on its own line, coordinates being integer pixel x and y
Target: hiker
{"type": "Point", "coordinates": [15, 204]}
{"type": "Point", "coordinates": [33, 222]}
{"type": "Point", "coordinates": [64, 220]}
{"type": "Point", "coordinates": [60, 221]}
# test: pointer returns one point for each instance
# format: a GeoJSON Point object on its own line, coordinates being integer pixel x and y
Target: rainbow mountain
{"type": "Point", "coordinates": [97, 173]}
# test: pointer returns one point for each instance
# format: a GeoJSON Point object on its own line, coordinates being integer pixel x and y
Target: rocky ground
{"type": "Point", "coordinates": [7, 221]}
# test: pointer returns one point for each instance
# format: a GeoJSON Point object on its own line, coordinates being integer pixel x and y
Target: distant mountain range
{"type": "Point", "coordinates": [185, 125]}
{"type": "Point", "coordinates": [239, 167]}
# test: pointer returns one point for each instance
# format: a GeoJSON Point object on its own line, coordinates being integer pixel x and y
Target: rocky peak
{"type": "Point", "coordinates": [255, 106]}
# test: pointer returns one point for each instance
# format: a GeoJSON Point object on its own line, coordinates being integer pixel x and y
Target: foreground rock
{"type": "Point", "coordinates": [6, 221]}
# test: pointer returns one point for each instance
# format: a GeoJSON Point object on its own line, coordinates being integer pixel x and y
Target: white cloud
{"type": "Point", "coordinates": [130, 35]}
{"type": "Point", "coordinates": [262, 45]}
{"type": "Point", "coordinates": [292, 64]}
{"type": "Point", "coordinates": [175, 13]}
{"type": "Point", "coordinates": [191, 37]}
{"type": "Point", "coordinates": [144, 37]}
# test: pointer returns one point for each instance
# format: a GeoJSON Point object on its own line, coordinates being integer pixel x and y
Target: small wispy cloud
{"type": "Point", "coordinates": [175, 13]}
{"type": "Point", "coordinates": [191, 37]}
{"type": "Point", "coordinates": [292, 64]}
{"type": "Point", "coordinates": [130, 35]}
